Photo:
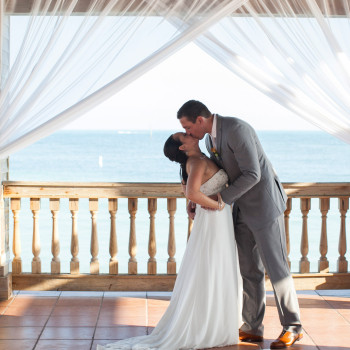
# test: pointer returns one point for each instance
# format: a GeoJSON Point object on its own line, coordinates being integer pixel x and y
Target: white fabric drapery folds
{"type": "Point", "coordinates": [294, 51]}
{"type": "Point", "coordinates": [68, 63]}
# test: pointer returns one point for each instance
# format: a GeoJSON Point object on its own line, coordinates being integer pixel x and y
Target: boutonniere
{"type": "Point", "coordinates": [215, 152]}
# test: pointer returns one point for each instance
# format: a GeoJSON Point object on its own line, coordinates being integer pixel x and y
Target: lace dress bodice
{"type": "Point", "coordinates": [215, 184]}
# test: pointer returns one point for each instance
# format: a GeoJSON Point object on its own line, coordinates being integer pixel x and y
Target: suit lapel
{"type": "Point", "coordinates": [208, 143]}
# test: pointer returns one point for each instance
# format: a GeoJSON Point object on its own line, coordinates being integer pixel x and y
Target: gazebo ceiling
{"type": "Point", "coordinates": [22, 7]}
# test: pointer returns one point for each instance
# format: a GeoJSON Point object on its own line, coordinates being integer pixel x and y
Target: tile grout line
{"type": "Point", "coordinates": [98, 317]}
{"type": "Point", "coordinates": [322, 297]}
{"type": "Point", "coordinates": [336, 310]}
{"type": "Point", "coordinates": [8, 305]}
{"type": "Point", "coordinates": [42, 330]}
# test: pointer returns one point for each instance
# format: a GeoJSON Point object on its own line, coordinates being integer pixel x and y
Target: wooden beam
{"type": "Point", "coordinates": [27, 281]}
{"type": "Point", "coordinates": [91, 190]}
{"type": "Point", "coordinates": [23, 189]}
{"type": "Point", "coordinates": [23, 7]}
{"type": "Point", "coordinates": [335, 7]}
{"type": "Point", "coordinates": [317, 190]}
{"type": "Point", "coordinates": [297, 7]}
{"type": "Point", "coordinates": [318, 281]}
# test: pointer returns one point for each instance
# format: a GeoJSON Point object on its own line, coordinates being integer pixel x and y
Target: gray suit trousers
{"type": "Point", "coordinates": [260, 250]}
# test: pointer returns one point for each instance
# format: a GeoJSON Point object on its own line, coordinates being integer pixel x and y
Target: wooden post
{"type": "Point", "coordinates": [323, 264]}
{"type": "Point", "coordinates": [152, 246]}
{"type": "Point", "coordinates": [94, 263]}
{"type": "Point", "coordinates": [113, 244]}
{"type": "Point", "coordinates": [5, 255]}
{"type": "Point", "coordinates": [74, 244]}
{"type": "Point", "coordinates": [171, 266]}
{"type": "Point", "coordinates": [342, 265]}
{"type": "Point", "coordinates": [286, 226]}
{"type": "Point", "coordinates": [55, 244]}
{"type": "Point", "coordinates": [16, 245]}
{"type": "Point", "coordinates": [304, 265]}
{"type": "Point", "coordinates": [132, 266]}
{"type": "Point", "coordinates": [35, 208]}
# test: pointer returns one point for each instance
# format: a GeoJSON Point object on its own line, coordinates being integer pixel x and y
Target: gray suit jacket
{"type": "Point", "coordinates": [254, 187]}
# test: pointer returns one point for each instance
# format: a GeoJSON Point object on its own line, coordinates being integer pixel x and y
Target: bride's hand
{"type": "Point", "coordinates": [191, 209]}
{"type": "Point", "coordinates": [221, 203]}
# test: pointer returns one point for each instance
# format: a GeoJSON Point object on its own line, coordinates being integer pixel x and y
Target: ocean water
{"type": "Point", "coordinates": [137, 156]}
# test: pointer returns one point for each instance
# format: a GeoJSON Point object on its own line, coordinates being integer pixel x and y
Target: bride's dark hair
{"type": "Point", "coordinates": [172, 151]}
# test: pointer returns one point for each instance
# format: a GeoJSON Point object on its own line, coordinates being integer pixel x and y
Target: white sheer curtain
{"type": "Point", "coordinates": [297, 52]}
{"type": "Point", "coordinates": [68, 62]}
{"type": "Point", "coordinates": [293, 51]}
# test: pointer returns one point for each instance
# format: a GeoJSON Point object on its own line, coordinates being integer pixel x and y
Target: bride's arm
{"type": "Point", "coordinates": [195, 170]}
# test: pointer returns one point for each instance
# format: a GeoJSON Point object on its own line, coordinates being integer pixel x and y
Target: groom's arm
{"type": "Point", "coordinates": [241, 142]}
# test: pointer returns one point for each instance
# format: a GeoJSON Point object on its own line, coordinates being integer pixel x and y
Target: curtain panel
{"type": "Point", "coordinates": [71, 55]}
{"type": "Point", "coordinates": [297, 52]}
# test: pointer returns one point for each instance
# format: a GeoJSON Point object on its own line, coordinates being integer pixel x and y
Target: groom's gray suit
{"type": "Point", "coordinates": [258, 202]}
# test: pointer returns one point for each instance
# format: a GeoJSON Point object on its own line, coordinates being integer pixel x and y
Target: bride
{"type": "Point", "coordinates": [205, 306]}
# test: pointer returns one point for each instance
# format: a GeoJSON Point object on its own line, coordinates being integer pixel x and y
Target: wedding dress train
{"type": "Point", "coordinates": [205, 307]}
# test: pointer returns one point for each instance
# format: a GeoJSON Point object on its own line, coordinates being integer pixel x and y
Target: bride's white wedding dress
{"type": "Point", "coordinates": [205, 307]}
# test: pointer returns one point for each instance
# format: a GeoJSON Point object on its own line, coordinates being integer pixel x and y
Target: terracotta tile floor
{"type": "Point", "coordinates": [81, 320]}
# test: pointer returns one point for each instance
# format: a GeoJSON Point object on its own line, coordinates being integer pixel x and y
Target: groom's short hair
{"type": "Point", "coordinates": [192, 109]}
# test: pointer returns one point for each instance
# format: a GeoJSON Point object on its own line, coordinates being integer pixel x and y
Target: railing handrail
{"type": "Point", "coordinates": [42, 189]}
{"type": "Point", "coordinates": [22, 189]}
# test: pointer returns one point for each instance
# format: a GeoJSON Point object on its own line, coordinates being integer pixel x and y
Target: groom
{"type": "Point", "coordinates": [258, 202]}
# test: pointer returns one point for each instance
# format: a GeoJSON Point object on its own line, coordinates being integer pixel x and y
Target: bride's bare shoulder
{"type": "Point", "coordinates": [197, 161]}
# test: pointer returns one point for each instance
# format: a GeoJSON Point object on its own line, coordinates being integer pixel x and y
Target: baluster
{"type": "Point", "coordinates": [36, 262]}
{"type": "Point", "coordinates": [17, 260]}
{"type": "Point", "coordinates": [113, 245]}
{"type": "Point", "coordinates": [74, 244]}
{"type": "Point", "coordinates": [304, 264]}
{"type": "Point", "coordinates": [190, 223]}
{"type": "Point", "coordinates": [171, 266]}
{"type": "Point", "coordinates": [342, 262]}
{"type": "Point", "coordinates": [94, 263]}
{"type": "Point", "coordinates": [323, 264]}
{"type": "Point", "coordinates": [132, 266]}
{"type": "Point", "coordinates": [152, 246]}
{"type": "Point", "coordinates": [55, 244]}
{"type": "Point", "coordinates": [286, 226]}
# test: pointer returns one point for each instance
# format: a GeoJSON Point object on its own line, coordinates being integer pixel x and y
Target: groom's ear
{"type": "Point", "coordinates": [199, 119]}
{"type": "Point", "coordinates": [181, 148]}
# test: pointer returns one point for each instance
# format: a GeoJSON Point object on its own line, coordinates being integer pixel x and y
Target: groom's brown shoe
{"type": "Point", "coordinates": [250, 338]}
{"type": "Point", "coordinates": [285, 340]}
